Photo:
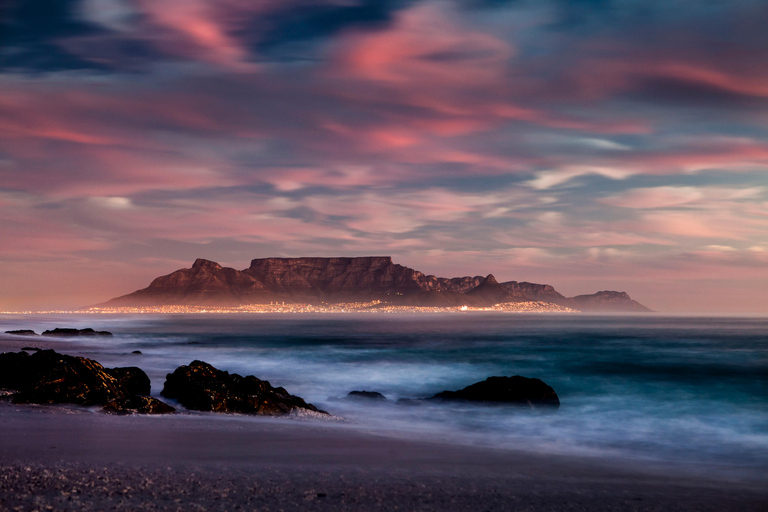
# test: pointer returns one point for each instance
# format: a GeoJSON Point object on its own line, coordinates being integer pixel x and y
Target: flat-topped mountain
{"type": "Point", "coordinates": [316, 280]}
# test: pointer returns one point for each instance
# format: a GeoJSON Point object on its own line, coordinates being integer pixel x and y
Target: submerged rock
{"type": "Point", "coordinates": [366, 395]}
{"type": "Point", "coordinates": [47, 377]}
{"type": "Point", "coordinates": [22, 332]}
{"type": "Point", "coordinates": [515, 390]}
{"type": "Point", "coordinates": [201, 387]}
{"type": "Point", "coordinates": [60, 331]}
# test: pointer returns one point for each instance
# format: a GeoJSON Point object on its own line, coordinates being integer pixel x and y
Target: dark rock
{"type": "Point", "coordinates": [75, 332]}
{"type": "Point", "coordinates": [366, 395]}
{"type": "Point", "coordinates": [133, 379]}
{"type": "Point", "coordinates": [22, 332]}
{"type": "Point", "coordinates": [202, 387]}
{"type": "Point", "coordinates": [138, 404]}
{"type": "Point", "coordinates": [47, 377]}
{"type": "Point", "coordinates": [137, 352]}
{"type": "Point", "coordinates": [14, 369]}
{"type": "Point", "coordinates": [509, 390]}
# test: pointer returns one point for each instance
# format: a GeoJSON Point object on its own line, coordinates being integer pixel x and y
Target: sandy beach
{"type": "Point", "coordinates": [70, 458]}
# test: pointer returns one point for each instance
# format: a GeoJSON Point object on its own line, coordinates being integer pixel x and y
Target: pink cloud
{"type": "Point", "coordinates": [602, 77]}
{"type": "Point", "coordinates": [200, 30]}
{"type": "Point", "coordinates": [718, 79]}
{"type": "Point", "coordinates": [425, 46]}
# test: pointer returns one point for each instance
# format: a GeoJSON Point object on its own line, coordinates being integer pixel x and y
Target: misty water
{"type": "Point", "coordinates": [687, 394]}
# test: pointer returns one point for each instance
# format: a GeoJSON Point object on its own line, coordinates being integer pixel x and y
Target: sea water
{"type": "Point", "coordinates": [683, 393]}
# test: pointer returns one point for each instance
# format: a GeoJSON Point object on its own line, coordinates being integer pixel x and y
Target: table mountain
{"type": "Point", "coordinates": [316, 280]}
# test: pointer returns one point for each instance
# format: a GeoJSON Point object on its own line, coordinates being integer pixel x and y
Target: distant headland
{"type": "Point", "coordinates": [372, 282]}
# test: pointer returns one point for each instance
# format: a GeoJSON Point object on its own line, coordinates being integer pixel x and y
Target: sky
{"type": "Point", "coordinates": [587, 144]}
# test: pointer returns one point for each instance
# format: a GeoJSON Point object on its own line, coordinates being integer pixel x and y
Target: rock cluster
{"type": "Point", "coordinates": [47, 377]}
{"type": "Point", "coordinates": [66, 332]}
{"type": "Point", "coordinates": [61, 331]}
{"type": "Point", "coordinates": [201, 387]}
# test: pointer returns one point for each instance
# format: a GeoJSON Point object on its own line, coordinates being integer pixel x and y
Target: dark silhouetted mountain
{"type": "Point", "coordinates": [490, 292]}
{"type": "Point", "coordinates": [317, 280]}
{"type": "Point", "coordinates": [206, 283]}
{"type": "Point", "coordinates": [608, 302]}
{"type": "Point", "coordinates": [538, 292]}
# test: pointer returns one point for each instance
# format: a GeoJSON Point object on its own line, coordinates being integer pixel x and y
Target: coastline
{"type": "Point", "coordinates": [67, 456]}
{"type": "Point", "coordinates": [352, 307]}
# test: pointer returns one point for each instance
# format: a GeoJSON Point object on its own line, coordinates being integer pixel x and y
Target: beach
{"type": "Point", "coordinates": [73, 458]}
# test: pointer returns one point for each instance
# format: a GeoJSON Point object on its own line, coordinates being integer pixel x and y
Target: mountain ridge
{"type": "Point", "coordinates": [345, 279]}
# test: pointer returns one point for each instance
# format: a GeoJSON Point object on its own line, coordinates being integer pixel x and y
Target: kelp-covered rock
{"type": "Point", "coordinates": [66, 332]}
{"type": "Point", "coordinates": [201, 387]}
{"type": "Point", "coordinates": [47, 377]}
{"type": "Point", "coordinates": [515, 390]}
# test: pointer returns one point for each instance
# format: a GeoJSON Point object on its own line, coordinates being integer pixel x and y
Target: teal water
{"type": "Point", "coordinates": [690, 393]}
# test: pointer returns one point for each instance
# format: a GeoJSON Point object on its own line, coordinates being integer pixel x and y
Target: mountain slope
{"type": "Point", "coordinates": [608, 302]}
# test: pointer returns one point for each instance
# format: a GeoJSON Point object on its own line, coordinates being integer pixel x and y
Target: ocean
{"type": "Point", "coordinates": [687, 394]}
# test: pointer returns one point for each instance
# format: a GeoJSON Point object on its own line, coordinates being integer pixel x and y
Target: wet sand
{"type": "Point", "coordinates": [69, 458]}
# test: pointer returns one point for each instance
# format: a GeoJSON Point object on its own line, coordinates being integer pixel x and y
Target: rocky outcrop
{"type": "Point", "coordinates": [334, 276]}
{"type": "Point", "coordinates": [515, 390]}
{"type": "Point", "coordinates": [132, 379]}
{"type": "Point", "coordinates": [65, 332]}
{"type": "Point", "coordinates": [47, 377]}
{"type": "Point", "coordinates": [316, 280]}
{"type": "Point", "coordinates": [138, 404]}
{"type": "Point", "coordinates": [22, 332]}
{"type": "Point", "coordinates": [201, 387]}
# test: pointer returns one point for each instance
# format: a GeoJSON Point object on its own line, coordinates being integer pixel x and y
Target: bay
{"type": "Point", "coordinates": [688, 393]}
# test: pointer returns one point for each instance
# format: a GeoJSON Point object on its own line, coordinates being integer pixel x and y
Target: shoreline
{"type": "Point", "coordinates": [272, 463]}
{"type": "Point", "coordinates": [301, 308]}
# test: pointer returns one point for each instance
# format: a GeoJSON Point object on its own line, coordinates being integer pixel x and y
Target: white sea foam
{"type": "Point", "coordinates": [682, 391]}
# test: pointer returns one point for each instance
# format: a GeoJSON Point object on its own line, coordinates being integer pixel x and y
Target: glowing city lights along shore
{"type": "Point", "coordinates": [352, 307]}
